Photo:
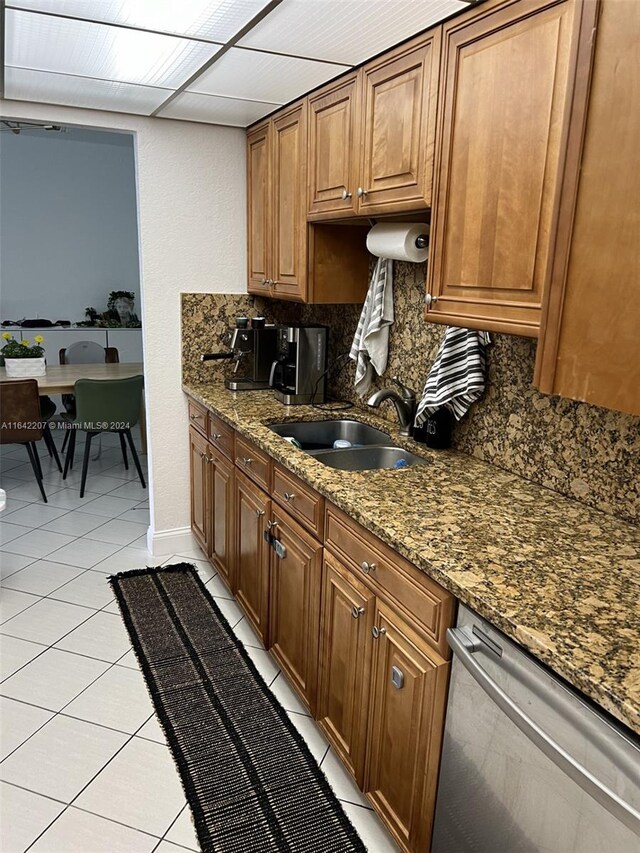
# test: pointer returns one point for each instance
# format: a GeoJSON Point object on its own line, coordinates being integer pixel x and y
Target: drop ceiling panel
{"type": "Point", "coordinates": [26, 85]}
{"type": "Point", "coordinates": [263, 76]}
{"type": "Point", "coordinates": [347, 31]}
{"type": "Point", "coordinates": [218, 20]}
{"type": "Point", "coordinates": [66, 46]}
{"type": "Point", "coordinates": [212, 109]}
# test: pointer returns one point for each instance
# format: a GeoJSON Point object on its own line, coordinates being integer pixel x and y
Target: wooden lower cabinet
{"type": "Point", "coordinates": [295, 604]}
{"type": "Point", "coordinates": [251, 575]}
{"type": "Point", "coordinates": [199, 477]}
{"type": "Point", "coordinates": [222, 514]}
{"type": "Point", "coordinates": [345, 633]}
{"type": "Point", "coordinates": [406, 718]}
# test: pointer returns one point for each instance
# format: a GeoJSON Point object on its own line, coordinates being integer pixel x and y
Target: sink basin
{"type": "Point", "coordinates": [368, 458]}
{"type": "Point", "coordinates": [320, 435]}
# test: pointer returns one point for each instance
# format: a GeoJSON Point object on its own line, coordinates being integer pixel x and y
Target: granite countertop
{"type": "Point", "coordinates": [561, 579]}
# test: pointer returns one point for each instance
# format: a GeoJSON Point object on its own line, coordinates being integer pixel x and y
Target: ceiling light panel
{"type": "Point", "coordinates": [218, 20]}
{"type": "Point", "coordinates": [23, 84]}
{"type": "Point", "coordinates": [347, 31]}
{"type": "Point", "coordinates": [46, 43]}
{"type": "Point", "coordinates": [215, 110]}
{"type": "Point", "coordinates": [263, 76]}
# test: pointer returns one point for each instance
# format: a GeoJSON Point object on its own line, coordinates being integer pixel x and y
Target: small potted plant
{"type": "Point", "coordinates": [23, 359]}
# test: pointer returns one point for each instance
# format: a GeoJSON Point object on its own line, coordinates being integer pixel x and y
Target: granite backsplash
{"type": "Point", "coordinates": [581, 451]}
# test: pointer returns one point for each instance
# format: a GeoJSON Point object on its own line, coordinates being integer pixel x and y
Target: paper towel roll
{"type": "Point", "coordinates": [397, 240]}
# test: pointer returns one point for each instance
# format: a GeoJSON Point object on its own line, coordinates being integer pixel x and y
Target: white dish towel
{"type": "Point", "coordinates": [370, 348]}
{"type": "Point", "coordinates": [457, 377]}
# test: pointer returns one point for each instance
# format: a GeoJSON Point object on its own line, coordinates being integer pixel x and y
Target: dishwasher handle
{"type": "Point", "coordinates": [465, 647]}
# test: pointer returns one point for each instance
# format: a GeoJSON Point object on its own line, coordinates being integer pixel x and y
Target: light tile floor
{"type": "Point", "coordinates": [84, 766]}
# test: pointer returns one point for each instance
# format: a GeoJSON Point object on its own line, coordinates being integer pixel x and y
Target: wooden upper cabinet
{"type": "Point", "coordinates": [289, 242]}
{"type": "Point", "coordinates": [591, 342]}
{"type": "Point", "coordinates": [258, 213]}
{"type": "Point", "coordinates": [507, 79]}
{"type": "Point", "coordinates": [333, 123]}
{"type": "Point", "coordinates": [397, 139]}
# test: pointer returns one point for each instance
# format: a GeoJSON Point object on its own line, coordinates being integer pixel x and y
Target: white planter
{"type": "Point", "coordinates": [25, 368]}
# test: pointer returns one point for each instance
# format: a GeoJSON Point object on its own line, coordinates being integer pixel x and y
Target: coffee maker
{"type": "Point", "coordinates": [298, 371]}
{"type": "Point", "coordinates": [252, 350]}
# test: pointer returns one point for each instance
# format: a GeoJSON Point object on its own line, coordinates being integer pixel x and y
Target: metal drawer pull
{"type": "Point", "coordinates": [367, 568]}
{"type": "Point", "coordinates": [216, 436]}
{"type": "Point", "coordinates": [247, 460]}
{"type": "Point", "coordinates": [194, 417]}
{"type": "Point", "coordinates": [429, 299]}
{"type": "Point", "coordinates": [289, 496]}
{"type": "Point", "coordinates": [201, 454]}
{"type": "Point", "coordinates": [259, 512]}
{"type": "Point", "coordinates": [362, 192]}
{"type": "Point", "coordinates": [272, 524]}
{"type": "Point", "coordinates": [377, 632]}
{"type": "Point", "coordinates": [357, 612]}
{"type": "Point", "coordinates": [397, 677]}
{"type": "Point", "coordinates": [346, 195]}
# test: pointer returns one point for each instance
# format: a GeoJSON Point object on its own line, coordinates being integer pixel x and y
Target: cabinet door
{"type": "Point", "coordinates": [346, 617]}
{"type": "Point", "coordinates": [295, 604]}
{"type": "Point", "coordinates": [258, 213]}
{"type": "Point", "coordinates": [332, 150]}
{"type": "Point", "coordinates": [222, 544]}
{"type": "Point", "coordinates": [199, 476]}
{"type": "Point", "coordinates": [289, 182]}
{"type": "Point", "coordinates": [399, 94]}
{"type": "Point", "coordinates": [251, 573]}
{"type": "Point", "coordinates": [507, 78]}
{"type": "Point", "coordinates": [406, 718]}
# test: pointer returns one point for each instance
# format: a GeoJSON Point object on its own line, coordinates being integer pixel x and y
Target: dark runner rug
{"type": "Point", "coordinates": [248, 775]}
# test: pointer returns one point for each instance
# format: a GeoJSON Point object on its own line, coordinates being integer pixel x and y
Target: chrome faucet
{"type": "Point", "coordinates": [404, 401]}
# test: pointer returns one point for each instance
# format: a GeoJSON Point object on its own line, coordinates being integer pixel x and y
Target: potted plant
{"type": "Point", "coordinates": [23, 359]}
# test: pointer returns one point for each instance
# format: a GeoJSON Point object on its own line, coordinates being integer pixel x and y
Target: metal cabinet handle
{"type": "Point", "coordinates": [367, 568]}
{"type": "Point", "coordinates": [397, 677]}
{"type": "Point", "coordinates": [247, 460]}
{"type": "Point", "coordinates": [346, 195]}
{"type": "Point", "coordinates": [194, 417]}
{"type": "Point", "coordinates": [272, 524]}
{"type": "Point", "coordinates": [429, 299]}
{"type": "Point", "coordinates": [201, 454]}
{"type": "Point", "coordinates": [357, 612]}
{"type": "Point", "coordinates": [259, 513]}
{"type": "Point", "coordinates": [289, 496]}
{"type": "Point", "coordinates": [377, 632]}
{"type": "Point", "coordinates": [216, 436]}
{"type": "Point", "coordinates": [361, 192]}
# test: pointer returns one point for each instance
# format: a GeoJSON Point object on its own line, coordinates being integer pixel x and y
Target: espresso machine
{"type": "Point", "coordinates": [252, 351]}
{"type": "Point", "coordinates": [298, 370]}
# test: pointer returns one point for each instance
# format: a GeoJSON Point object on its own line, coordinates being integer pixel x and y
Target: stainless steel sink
{"type": "Point", "coordinates": [320, 435]}
{"type": "Point", "coordinates": [368, 458]}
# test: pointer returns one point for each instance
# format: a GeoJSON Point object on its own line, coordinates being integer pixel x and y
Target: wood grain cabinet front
{"type": "Point", "coordinates": [251, 575]}
{"type": "Point", "coordinates": [507, 84]}
{"type": "Point", "coordinates": [258, 209]}
{"type": "Point", "coordinates": [407, 703]}
{"type": "Point", "coordinates": [221, 512]}
{"type": "Point", "coordinates": [200, 488]}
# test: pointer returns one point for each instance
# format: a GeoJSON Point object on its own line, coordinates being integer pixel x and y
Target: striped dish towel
{"type": "Point", "coordinates": [456, 379]}
{"type": "Point", "coordinates": [370, 347]}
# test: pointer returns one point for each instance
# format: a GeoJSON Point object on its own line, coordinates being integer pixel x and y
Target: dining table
{"type": "Point", "coordinates": [61, 379]}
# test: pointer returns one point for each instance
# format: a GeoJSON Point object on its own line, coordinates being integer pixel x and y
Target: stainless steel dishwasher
{"type": "Point", "coordinates": [528, 766]}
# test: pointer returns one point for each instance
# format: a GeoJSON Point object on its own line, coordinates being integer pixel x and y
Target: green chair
{"type": "Point", "coordinates": [104, 405]}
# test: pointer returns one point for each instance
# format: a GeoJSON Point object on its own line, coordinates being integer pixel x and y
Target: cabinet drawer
{"type": "Point", "coordinates": [305, 505]}
{"type": "Point", "coordinates": [254, 462]}
{"type": "Point", "coordinates": [390, 575]}
{"type": "Point", "coordinates": [198, 417]}
{"type": "Point", "coordinates": [221, 435]}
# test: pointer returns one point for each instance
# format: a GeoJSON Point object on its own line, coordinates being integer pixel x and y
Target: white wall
{"type": "Point", "coordinates": [191, 198]}
{"type": "Point", "coordinates": [73, 196]}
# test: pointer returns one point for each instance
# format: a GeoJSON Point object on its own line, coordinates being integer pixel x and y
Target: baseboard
{"type": "Point", "coordinates": [176, 541]}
